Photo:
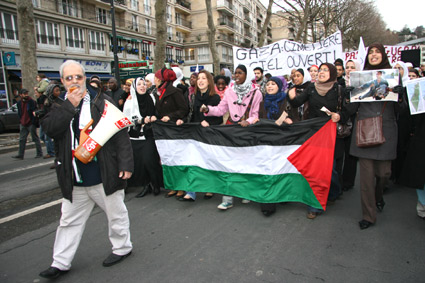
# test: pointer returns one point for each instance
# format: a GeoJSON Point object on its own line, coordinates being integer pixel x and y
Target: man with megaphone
{"type": "Point", "coordinates": [97, 176]}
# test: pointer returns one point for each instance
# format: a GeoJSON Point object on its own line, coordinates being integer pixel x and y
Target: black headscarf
{"type": "Point", "coordinates": [385, 63]}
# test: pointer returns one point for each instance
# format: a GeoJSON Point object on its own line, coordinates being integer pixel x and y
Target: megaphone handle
{"type": "Point", "coordinates": [83, 134]}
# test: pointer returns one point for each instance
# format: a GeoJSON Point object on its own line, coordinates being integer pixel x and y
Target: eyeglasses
{"type": "Point", "coordinates": [323, 70]}
{"type": "Point", "coordinates": [74, 77]}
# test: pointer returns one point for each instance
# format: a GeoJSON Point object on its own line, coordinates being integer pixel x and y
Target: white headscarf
{"type": "Point", "coordinates": [405, 77]}
{"type": "Point", "coordinates": [131, 105]}
{"type": "Point", "coordinates": [358, 66]}
{"type": "Point", "coordinates": [150, 77]}
{"type": "Point", "coordinates": [179, 75]}
{"type": "Point", "coordinates": [307, 76]}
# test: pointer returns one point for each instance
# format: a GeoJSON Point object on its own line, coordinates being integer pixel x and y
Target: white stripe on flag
{"type": "Point", "coordinates": [262, 159]}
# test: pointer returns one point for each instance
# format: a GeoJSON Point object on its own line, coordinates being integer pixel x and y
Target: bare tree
{"type": "Point", "coordinates": [266, 23]}
{"type": "Point", "coordinates": [211, 37]}
{"type": "Point", "coordinates": [27, 45]}
{"type": "Point", "coordinates": [161, 33]}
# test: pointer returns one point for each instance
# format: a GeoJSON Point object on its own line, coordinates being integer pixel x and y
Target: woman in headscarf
{"type": "Point", "coordinates": [375, 162]}
{"type": "Point", "coordinates": [272, 108]}
{"type": "Point", "coordinates": [170, 105]}
{"type": "Point", "coordinates": [227, 73]}
{"type": "Point", "coordinates": [403, 71]}
{"type": "Point", "coordinates": [300, 81]}
{"type": "Point", "coordinates": [242, 99]}
{"type": "Point", "coordinates": [147, 167]}
{"type": "Point", "coordinates": [323, 93]}
{"type": "Point", "coordinates": [204, 95]}
{"type": "Point", "coordinates": [351, 66]}
{"type": "Point", "coordinates": [314, 71]}
{"type": "Point", "coordinates": [150, 83]}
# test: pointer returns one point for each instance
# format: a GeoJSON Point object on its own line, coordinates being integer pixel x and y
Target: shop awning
{"type": "Point", "coordinates": [56, 75]}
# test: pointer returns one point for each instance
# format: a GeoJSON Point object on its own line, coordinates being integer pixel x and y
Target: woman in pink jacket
{"type": "Point", "coordinates": [242, 99]}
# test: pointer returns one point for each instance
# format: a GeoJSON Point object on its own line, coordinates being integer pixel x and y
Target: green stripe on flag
{"type": "Point", "coordinates": [279, 188]}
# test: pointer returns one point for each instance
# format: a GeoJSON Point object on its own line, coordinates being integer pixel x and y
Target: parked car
{"type": "Point", "coordinates": [9, 119]}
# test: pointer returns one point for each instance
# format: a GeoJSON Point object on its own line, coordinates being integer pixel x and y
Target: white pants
{"type": "Point", "coordinates": [74, 218]}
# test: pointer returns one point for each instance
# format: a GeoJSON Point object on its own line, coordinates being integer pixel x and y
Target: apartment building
{"type": "Point", "coordinates": [81, 30]}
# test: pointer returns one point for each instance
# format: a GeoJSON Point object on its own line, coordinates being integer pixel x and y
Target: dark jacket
{"type": "Point", "coordinates": [299, 113]}
{"type": "Point", "coordinates": [263, 112]}
{"type": "Point", "coordinates": [206, 99]}
{"type": "Point", "coordinates": [412, 174]}
{"type": "Point", "coordinates": [116, 95]}
{"type": "Point", "coordinates": [31, 107]}
{"type": "Point", "coordinates": [172, 104]}
{"type": "Point", "coordinates": [115, 156]}
{"type": "Point", "coordinates": [316, 101]}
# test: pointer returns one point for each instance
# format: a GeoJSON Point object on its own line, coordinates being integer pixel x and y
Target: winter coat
{"type": "Point", "coordinates": [172, 104]}
{"type": "Point", "coordinates": [228, 103]}
{"type": "Point", "coordinates": [115, 156]}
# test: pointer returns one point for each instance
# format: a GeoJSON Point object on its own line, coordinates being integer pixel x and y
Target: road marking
{"type": "Point", "coordinates": [29, 211]}
{"type": "Point", "coordinates": [25, 168]}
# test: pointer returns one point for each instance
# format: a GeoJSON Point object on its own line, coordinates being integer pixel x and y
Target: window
{"type": "Point", "coordinates": [179, 36]}
{"type": "Point", "coordinates": [147, 7]}
{"type": "Point", "coordinates": [168, 53]}
{"type": "Point", "coordinates": [135, 5]}
{"type": "Point", "coordinates": [178, 19]}
{"type": "Point", "coordinates": [224, 53]}
{"type": "Point", "coordinates": [179, 55]}
{"type": "Point", "coordinates": [148, 26]}
{"type": "Point", "coordinates": [230, 54]}
{"type": "Point", "coordinates": [36, 3]}
{"type": "Point", "coordinates": [102, 16]}
{"type": "Point", "coordinates": [68, 7]}
{"type": "Point", "coordinates": [134, 23]}
{"type": "Point", "coordinates": [203, 53]}
{"type": "Point", "coordinates": [169, 33]}
{"type": "Point", "coordinates": [9, 28]}
{"type": "Point", "coordinates": [146, 49]}
{"type": "Point", "coordinates": [97, 40]}
{"type": "Point", "coordinates": [47, 33]}
{"type": "Point", "coordinates": [169, 17]}
{"type": "Point", "coordinates": [74, 37]}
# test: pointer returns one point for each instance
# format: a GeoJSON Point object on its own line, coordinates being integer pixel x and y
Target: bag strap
{"type": "Point", "coordinates": [339, 106]}
{"type": "Point", "coordinates": [383, 108]}
{"type": "Point", "coordinates": [248, 109]}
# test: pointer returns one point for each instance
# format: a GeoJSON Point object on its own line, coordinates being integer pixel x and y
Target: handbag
{"type": "Point", "coordinates": [369, 131]}
{"type": "Point", "coordinates": [342, 130]}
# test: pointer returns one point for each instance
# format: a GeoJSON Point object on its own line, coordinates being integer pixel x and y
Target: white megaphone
{"type": "Point", "coordinates": [112, 121]}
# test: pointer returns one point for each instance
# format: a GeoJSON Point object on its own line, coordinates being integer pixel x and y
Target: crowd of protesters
{"type": "Point", "coordinates": [242, 98]}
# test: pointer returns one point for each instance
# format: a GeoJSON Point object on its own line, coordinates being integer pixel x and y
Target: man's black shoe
{"type": "Point", "coordinates": [114, 259]}
{"type": "Point", "coordinates": [18, 157]}
{"type": "Point", "coordinates": [52, 272]}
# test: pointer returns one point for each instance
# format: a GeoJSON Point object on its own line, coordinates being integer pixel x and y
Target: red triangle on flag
{"type": "Point", "coordinates": [314, 160]}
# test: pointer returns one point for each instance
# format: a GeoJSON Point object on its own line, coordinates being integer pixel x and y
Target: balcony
{"type": "Point", "coordinates": [120, 5]}
{"type": "Point", "coordinates": [226, 38]}
{"type": "Point", "coordinates": [183, 6]}
{"type": "Point", "coordinates": [226, 24]}
{"type": "Point", "coordinates": [183, 24]}
{"type": "Point", "coordinates": [225, 6]}
{"type": "Point", "coordinates": [9, 36]}
{"type": "Point", "coordinates": [69, 10]}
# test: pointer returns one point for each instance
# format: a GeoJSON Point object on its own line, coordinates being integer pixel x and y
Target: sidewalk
{"type": "Point", "coordinates": [10, 142]}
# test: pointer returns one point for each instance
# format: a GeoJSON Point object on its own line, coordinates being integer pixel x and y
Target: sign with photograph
{"type": "Point", "coordinates": [376, 85]}
{"type": "Point", "coordinates": [416, 95]}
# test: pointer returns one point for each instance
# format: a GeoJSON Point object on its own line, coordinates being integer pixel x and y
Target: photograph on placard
{"type": "Point", "coordinates": [375, 85]}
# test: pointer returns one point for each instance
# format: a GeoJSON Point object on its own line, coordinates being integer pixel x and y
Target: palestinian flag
{"type": "Point", "coordinates": [264, 162]}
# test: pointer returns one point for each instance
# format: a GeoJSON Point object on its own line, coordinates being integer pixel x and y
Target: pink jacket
{"type": "Point", "coordinates": [228, 103]}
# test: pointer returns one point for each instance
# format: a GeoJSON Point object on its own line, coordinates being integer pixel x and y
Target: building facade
{"type": "Point", "coordinates": [81, 30]}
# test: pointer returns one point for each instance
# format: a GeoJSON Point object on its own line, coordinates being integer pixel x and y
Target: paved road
{"type": "Point", "coordinates": [194, 242]}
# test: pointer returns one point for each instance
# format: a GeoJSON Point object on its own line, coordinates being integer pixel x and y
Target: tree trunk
{"type": "Point", "coordinates": [211, 38]}
{"type": "Point", "coordinates": [161, 34]}
{"type": "Point", "coordinates": [266, 23]}
{"type": "Point", "coordinates": [27, 44]}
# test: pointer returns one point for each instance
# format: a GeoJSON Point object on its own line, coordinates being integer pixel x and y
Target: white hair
{"type": "Point", "coordinates": [70, 62]}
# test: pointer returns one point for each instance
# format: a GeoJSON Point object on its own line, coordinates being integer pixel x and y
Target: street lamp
{"type": "Point", "coordinates": [115, 44]}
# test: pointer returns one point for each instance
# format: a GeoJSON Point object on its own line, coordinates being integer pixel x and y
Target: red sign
{"type": "Point", "coordinates": [124, 122]}
{"type": "Point", "coordinates": [90, 144]}
{"type": "Point", "coordinates": [136, 64]}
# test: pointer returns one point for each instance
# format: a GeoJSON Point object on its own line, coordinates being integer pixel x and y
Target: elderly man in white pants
{"type": "Point", "coordinates": [101, 181]}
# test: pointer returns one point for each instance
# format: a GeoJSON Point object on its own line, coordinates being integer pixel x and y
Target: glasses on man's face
{"type": "Point", "coordinates": [323, 70]}
{"type": "Point", "coordinates": [74, 77]}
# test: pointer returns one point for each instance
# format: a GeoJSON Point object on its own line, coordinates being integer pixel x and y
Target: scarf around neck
{"type": "Point", "coordinates": [271, 103]}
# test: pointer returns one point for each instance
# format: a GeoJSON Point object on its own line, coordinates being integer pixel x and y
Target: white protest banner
{"type": "Point", "coordinates": [416, 95]}
{"type": "Point", "coordinates": [374, 85]}
{"type": "Point", "coordinates": [393, 53]}
{"type": "Point", "coordinates": [281, 57]}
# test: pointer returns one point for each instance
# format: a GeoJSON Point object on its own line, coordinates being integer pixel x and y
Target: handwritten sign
{"type": "Point", "coordinates": [281, 57]}
{"type": "Point", "coordinates": [416, 95]}
{"type": "Point", "coordinates": [393, 53]}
